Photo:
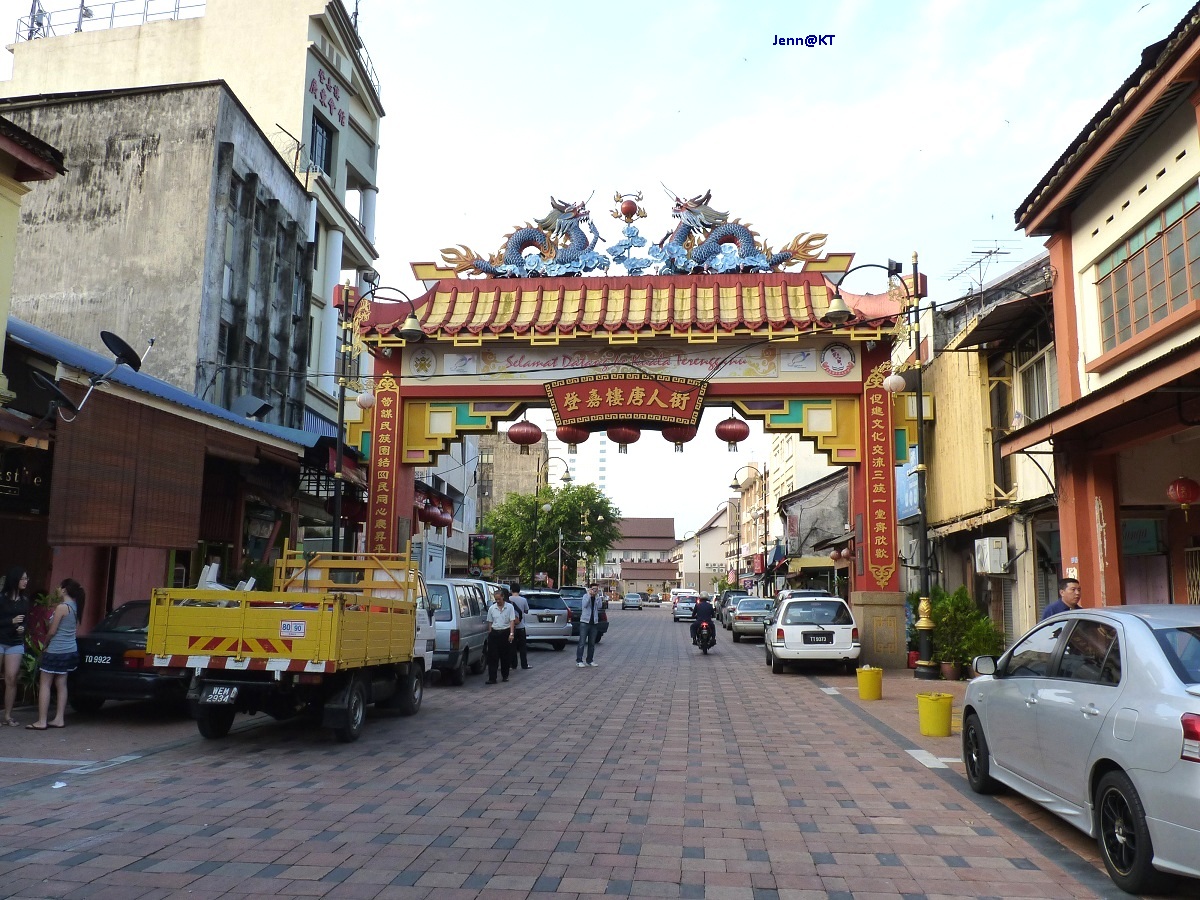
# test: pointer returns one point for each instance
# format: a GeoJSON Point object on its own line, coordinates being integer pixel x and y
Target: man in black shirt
{"type": "Point", "coordinates": [703, 613]}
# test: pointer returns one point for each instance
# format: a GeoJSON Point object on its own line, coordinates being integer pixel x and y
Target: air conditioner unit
{"type": "Point", "coordinates": [991, 556]}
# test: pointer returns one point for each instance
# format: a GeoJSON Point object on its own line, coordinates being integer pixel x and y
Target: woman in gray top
{"type": "Point", "coordinates": [61, 655]}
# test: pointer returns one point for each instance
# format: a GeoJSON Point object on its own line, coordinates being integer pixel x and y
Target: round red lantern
{"type": "Point", "coordinates": [572, 436]}
{"type": "Point", "coordinates": [1183, 491]}
{"type": "Point", "coordinates": [623, 436]}
{"type": "Point", "coordinates": [524, 433]}
{"type": "Point", "coordinates": [425, 513]}
{"type": "Point", "coordinates": [679, 435]}
{"type": "Point", "coordinates": [733, 431]}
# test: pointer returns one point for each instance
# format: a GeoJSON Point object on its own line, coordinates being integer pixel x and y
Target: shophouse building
{"type": "Point", "coordinates": [1120, 212]}
{"type": "Point", "coordinates": [641, 560]}
{"type": "Point", "coordinates": [301, 72]}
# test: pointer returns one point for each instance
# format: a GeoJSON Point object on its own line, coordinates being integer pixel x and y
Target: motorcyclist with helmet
{"type": "Point", "coordinates": [703, 612]}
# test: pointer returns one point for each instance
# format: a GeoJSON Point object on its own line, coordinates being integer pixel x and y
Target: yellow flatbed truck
{"type": "Point", "coordinates": [338, 631]}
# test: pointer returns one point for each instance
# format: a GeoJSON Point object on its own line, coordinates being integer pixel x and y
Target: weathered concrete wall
{"type": "Point", "coordinates": [882, 627]}
{"type": "Point", "coordinates": [118, 242]}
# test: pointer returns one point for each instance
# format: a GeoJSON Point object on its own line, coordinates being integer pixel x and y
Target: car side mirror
{"type": "Point", "coordinates": [984, 665]}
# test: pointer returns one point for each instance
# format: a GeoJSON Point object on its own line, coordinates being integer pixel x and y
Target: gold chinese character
{"type": "Point", "coordinates": [571, 401]}
{"type": "Point", "coordinates": [387, 402]}
{"type": "Point", "coordinates": [614, 397]}
{"type": "Point", "coordinates": [593, 399]}
{"type": "Point", "coordinates": [637, 396]}
{"type": "Point", "coordinates": [654, 401]}
{"type": "Point", "coordinates": [679, 400]}
{"type": "Point", "coordinates": [879, 489]}
{"type": "Point", "coordinates": [383, 439]}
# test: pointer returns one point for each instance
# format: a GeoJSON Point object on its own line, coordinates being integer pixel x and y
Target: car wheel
{"type": "Point", "coordinates": [975, 757]}
{"type": "Point", "coordinates": [737, 636]}
{"type": "Point", "coordinates": [356, 714]}
{"type": "Point", "coordinates": [458, 675]}
{"type": "Point", "coordinates": [214, 721]}
{"type": "Point", "coordinates": [674, 618]}
{"type": "Point", "coordinates": [1123, 837]}
{"type": "Point", "coordinates": [85, 704]}
{"type": "Point", "coordinates": [558, 645]}
{"type": "Point", "coordinates": [776, 666]}
{"type": "Point", "coordinates": [768, 649]}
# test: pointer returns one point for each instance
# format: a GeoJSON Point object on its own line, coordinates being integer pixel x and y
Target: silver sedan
{"type": "Point", "coordinates": [749, 616]}
{"type": "Point", "coordinates": [1095, 715]}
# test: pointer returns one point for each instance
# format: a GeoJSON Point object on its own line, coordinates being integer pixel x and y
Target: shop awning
{"type": "Point", "coordinates": [798, 564]}
{"type": "Point", "coordinates": [1007, 320]}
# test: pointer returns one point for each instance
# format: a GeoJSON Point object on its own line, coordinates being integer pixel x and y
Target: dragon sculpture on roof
{"type": "Point", "coordinates": [563, 248]}
{"type": "Point", "coordinates": [703, 241]}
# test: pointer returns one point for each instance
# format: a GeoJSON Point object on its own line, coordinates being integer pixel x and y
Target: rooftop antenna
{"type": "Point", "coordinates": [36, 21]}
{"type": "Point", "coordinates": [354, 16]}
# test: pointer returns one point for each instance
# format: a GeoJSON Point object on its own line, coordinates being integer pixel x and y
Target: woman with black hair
{"type": "Point", "coordinates": [14, 606]}
{"type": "Point", "coordinates": [61, 656]}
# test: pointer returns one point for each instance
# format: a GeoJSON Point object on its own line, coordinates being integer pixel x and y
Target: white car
{"type": "Point", "coordinates": [811, 629]}
{"type": "Point", "coordinates": [1095, 715]}
{"type": "Point", "coordinates": [631, 601]}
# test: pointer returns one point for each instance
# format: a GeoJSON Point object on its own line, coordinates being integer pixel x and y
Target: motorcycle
{"type": "Point", "coordinates": [705, 637]}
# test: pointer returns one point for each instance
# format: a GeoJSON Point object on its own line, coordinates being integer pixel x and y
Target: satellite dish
{"type": "Point", "coordinates": [121, 350]}
{"type": "Point", "coordinates": [56, 394]}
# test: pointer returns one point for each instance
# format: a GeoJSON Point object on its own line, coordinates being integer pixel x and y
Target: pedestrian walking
{"type": "Point", "coordinates": [61, 656]}
{"type": "Point", "coordinates": [1069, 597]}
{"type": "Point", "coordinates": [521, 606]}
{"type": "Point", "coordinates": [14, 606]}
{"type": "Point", "coordinates": [502, 623]}
{"type": "Point", "coordinates": [589, 625]}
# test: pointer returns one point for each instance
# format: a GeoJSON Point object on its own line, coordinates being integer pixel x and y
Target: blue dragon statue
{"type": "Point", "coordinates": [718, 245]}
{"type": "Point", "coordinates": [563, 248]}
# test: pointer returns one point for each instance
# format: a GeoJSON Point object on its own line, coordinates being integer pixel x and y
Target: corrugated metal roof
{"type": "Point", "coordinates": [46, 343]}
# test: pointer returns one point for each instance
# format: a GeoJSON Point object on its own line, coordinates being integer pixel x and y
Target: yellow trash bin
{"type": "Point", "coordinates": [933, 712]}
{"type": "Point", "coordinates": [870, 683]}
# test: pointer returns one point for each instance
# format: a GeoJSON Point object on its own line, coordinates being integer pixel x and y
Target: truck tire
{"type": "Point", "coordinates": [356, 713]}
{"type": "Point", "coordinates": [214, 722]}
{"type": "Point", "coordinates": [410, 690]}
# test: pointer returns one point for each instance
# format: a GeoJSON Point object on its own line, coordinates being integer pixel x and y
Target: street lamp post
{"type": "Point", "coordinates": [839, 314]}
{"type": "Point", "coordinates": [352, 311]}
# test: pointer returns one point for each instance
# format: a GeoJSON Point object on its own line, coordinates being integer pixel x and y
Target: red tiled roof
{"type": "Point", "coordinates": [648, 306]}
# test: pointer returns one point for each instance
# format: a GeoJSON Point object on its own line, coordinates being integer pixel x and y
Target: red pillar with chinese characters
{"type": "Point", "coordinates": [391, 493]}
{"type": "Point", "coordinates": [873, 486]}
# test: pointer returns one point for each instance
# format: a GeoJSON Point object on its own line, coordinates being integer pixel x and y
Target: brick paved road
{"type": "Point", "coordinates": [663, 773]}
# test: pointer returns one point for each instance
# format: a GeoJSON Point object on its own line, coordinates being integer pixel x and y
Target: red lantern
{"type": "Point", "coordinates": [623, 436]}
{"type": "Point", "coordinates": [572, 436]}
{"type": "Point", "coordinates": [733, 430]}
{"type": "Point", "coordinates": [1185, 492]}
{"type": "Point", "coordinates": [679, 435]}
{"type": "Point", "coordinates": [524, 433]}
{"type": "Point", "coordinates": [425, 513]}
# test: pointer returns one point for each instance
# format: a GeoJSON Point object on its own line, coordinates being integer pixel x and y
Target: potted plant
{"type": "Point", "coordinates": [983, 638]}
{"type": "Point", "coordinates": [954, 617]}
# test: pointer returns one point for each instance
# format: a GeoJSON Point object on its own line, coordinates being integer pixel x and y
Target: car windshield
{"type": "Point", "coordinates": [1182, 648]}
{"type": "Point", "coordinates": [633, 596]}
{"type": "Point", "coordinates": [132, 618]}
{"type": "Point", "coordinates": [754, 605]}
{"type": "Point", "coordinates": [544, 601]}
{"type": "Point", "coordinates": [817, 612]}
{"type": "Point", "coordinates": [439, 595]}
{"type": "Point", "coordinates": [573, 593]}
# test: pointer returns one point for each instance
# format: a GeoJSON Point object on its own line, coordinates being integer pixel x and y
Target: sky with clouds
{"type": "Point", "coordinates": [917, 127]}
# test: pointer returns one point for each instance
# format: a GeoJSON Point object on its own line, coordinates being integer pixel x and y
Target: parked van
{"type": "Point", "coordinates": [460, 617]}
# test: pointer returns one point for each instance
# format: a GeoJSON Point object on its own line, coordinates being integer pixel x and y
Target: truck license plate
{"type": "Point", "coordinates": [219, 693]}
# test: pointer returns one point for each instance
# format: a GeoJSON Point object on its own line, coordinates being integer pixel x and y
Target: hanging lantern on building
{"type": "Point", "coordinates": [623, 436]}
{"type": "Point", "coordinates": [1185, 492]}
{"type": "Point", "coordinates": [679, 435]}
{"type": "Point", "coordinates": [524, 433]}
{"type": "Point", "coordinates": [425, 513]}
{"type": "Point", "coordinates": [835, 554]}
{"type": "Point", "coordinates": [733, 431]}
{"type": "Point", "coordinates": [365, 400]}
{"type": "Point", "coordinates": [572, 436]}
{"type": "Point", "coordinates": [894, 383]}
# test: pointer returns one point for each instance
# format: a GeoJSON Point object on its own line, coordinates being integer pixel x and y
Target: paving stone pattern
{"type": "Point", "coordinates": [661, 773]}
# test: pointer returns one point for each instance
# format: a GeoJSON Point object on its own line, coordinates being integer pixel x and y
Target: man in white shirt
{"type": "Point", "coordinates": [521, 606]}
{"type": "Point", "coordinates": [501, 622]}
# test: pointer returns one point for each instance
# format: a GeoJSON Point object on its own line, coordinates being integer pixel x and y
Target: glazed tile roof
{"type": "Point", "coordinates": [623, 306]}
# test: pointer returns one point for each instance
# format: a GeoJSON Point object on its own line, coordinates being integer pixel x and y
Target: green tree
{"type": "Point", "coordinates": [576, 510]}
